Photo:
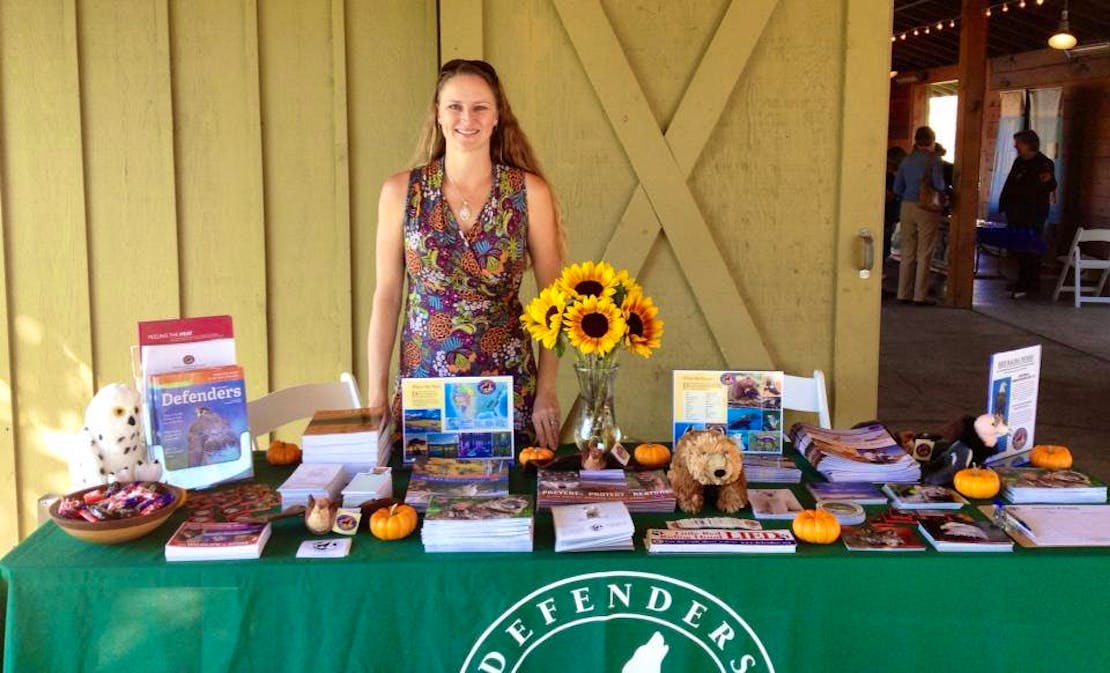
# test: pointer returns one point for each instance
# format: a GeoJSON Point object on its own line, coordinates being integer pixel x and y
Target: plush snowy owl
{"type": "Point", "coordinates": [112, 445]}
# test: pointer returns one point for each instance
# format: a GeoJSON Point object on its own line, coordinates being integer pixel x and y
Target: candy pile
{"type": "Point", "coordinates": [116, 501]}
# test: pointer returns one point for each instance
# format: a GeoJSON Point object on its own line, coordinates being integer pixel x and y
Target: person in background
{"type": "Point", "coordinates": [948, 170]}
{"type": "Point", "coordinates": [894, 157]}
{"type": "Point", "coordinates": [1025, 201]}
{"type": "Point", "coordinates": [919, 226]}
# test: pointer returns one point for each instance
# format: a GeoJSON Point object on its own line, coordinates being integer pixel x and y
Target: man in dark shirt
{"type": "Point", "coordinates": [1025, 200]}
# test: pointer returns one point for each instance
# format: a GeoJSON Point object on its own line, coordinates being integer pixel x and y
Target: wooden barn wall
{"type": "Point", "coordinates": [186, 157]}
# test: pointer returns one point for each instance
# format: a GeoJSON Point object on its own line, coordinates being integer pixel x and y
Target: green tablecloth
{"type": "Point", "coordinates": [71, 606]}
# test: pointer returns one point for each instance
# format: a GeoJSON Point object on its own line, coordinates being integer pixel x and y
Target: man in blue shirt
{"type": "Point", "coordinates": [919, 224]}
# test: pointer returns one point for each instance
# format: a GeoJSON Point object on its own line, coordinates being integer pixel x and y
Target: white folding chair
{"type": "Point", "coordinates": [1078, 262]}
{"type": "Point", "coordinates": [272, 411]}
{"type": "Point", "coordinates": [807, 394]}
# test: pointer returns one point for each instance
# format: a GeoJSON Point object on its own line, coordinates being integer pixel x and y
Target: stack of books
{"type": "Point", "coordinates": [859, 492]}
{"type": "Point", "coordinates": [600, 526]}
{"type": "Point", "coordinates": [772, 469]}
{"type": "Point", "coordinates": [194, 541]}
{"type": "Point", "coordinates": [355, 438]}
{"type": "Point", "coordinates": [318, 480]}
{"type": "Point", "coordinates": [1022, 485]}
{"type": "Point", "coordinates": [922, 496]}
{"type": "Point", "coordinates": [372, 485]}
{"type": "Point", "coordinates": [450, 477]}
{"type": "Point", "coordinates": [646, 491]}
{"type": "Point", "coordinates": [957, 531]}
{"type": "Point", "coordinates": [868, 453]}
{"type": "Point", "coordinates": [472, 524]}
{"type": "Point", "coordinates": [709, 541]}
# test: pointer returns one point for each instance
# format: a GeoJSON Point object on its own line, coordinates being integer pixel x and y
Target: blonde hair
{"type": "Point", "coordinates": [508, 145]}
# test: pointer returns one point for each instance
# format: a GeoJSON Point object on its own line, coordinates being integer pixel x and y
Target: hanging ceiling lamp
{"type": "Point", "coordinates": [1063, 39]}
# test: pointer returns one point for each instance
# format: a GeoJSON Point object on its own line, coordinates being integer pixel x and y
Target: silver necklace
{"type": "Point", "coordinates": [464, 210]}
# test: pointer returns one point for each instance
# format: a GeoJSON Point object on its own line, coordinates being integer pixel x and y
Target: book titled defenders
{"type": "Point", "coordinates": [198, 416]}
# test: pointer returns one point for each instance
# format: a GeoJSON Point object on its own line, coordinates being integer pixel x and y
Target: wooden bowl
{"type": "Point", "coordinates": [114, 531]}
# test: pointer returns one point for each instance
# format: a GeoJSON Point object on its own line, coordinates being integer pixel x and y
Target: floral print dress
{"type": "Point", "coordinates": [462, 312]}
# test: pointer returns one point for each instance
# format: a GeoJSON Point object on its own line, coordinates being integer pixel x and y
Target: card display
{"type": "Point", "coordinates": [745, 405]}
{"type": "Point", "coordinates": [460, 417]}
{"type": "Point", "coordinates": [1012, 395]}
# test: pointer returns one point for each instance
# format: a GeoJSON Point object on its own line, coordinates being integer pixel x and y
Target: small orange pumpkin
{"type": "Point", "coordinates": [977, 482]}
{"type": "Point", "coordinates": [530, 453]}
{"type": "Point", "coordinates": [283, 453]}
{"type": "Point", "coordinates": [816, 527]}
{"type": "Point", "coordinates": [393, 522]}
{"type": "Point", "coordinates": [652, 455]}
{"type": "Point", "coordinates": [1051, 457]}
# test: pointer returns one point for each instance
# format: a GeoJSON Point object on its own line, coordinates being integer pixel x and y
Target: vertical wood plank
{"type": "Point", "coordinates": [129, 174]}
{"type": "Point", "coordinates": [866, 85]}
{"type": "Point", "coordinates": [461, 29]}
{"type": "Point", "coordinates": [45, 240]}
{"type": "Point", "coordinates": [9, 497]}
{"type": "Point", "coordinates": [304, 149]}
{"type": "Point", "coordinates": [384, 116]}
{"type": "Point", "coordinates": [969, 139]}
{"type": "Point", "coordinates": [218, 155]}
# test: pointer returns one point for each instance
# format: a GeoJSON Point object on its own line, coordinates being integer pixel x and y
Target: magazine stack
{"type": "Point", "coordinates": [772, 469]}
{"type": "Point", "coordinates": [450, 477]}
{"type": "Point", "coordinates": [354, 438]}
{"type": "Point", "coordinates": [867, 453]}
{"type": "Point", "coordinates": [1021, 485]}
{"type": "Point", "coordinates": [647, 491]}
{"type": "Point", "coordinates": [478, 524]}
{"type": "Point", "coordinates": [599, 526]}
{"type": "Point", "coordinates": [319, 480]}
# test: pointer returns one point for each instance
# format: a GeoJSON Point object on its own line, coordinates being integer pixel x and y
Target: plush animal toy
{"type": "Point", "coordinates": [112, 445]}
{"type": "Point", "coordinates": [708, 458]}
{"type": "Point", "coordinates": [973, 441]}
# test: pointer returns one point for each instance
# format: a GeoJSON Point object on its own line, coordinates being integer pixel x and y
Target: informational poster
{"type": "Point", "coordinates": [1012, 395]}
{"type": "Point", "coordinates": [745, 405]}
{"type": "Point", "coordinates": [458, 417]}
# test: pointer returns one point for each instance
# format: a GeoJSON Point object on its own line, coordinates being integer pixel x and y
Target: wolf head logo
{"type": "Point", "coordinates": [648, 657]}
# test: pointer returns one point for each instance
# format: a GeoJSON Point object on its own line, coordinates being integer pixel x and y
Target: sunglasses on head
{"type": "Point", "coordinates": [459, 63]}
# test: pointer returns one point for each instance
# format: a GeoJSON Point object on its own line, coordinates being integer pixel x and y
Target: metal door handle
{"type": "Point", "coordinates": [866, 259]}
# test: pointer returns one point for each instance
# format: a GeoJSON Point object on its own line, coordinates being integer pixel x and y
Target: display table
{"type": "Point", "coordinates": [72, 606]}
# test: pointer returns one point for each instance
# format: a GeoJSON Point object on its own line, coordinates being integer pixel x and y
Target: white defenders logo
{"type": "Point", "coordinates": [626, 622]}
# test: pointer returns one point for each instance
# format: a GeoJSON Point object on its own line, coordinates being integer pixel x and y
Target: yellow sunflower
{"type": "Point", "coordinates": [588, 279]}
{"type": "Point", "coordinates": [645, 330]}
{"type": "Point", "coordinates": [543, 318]}
{"type": "Point", "coordinates": [628, 283]}
{"type": "Point", "coordinates": [594, 325]}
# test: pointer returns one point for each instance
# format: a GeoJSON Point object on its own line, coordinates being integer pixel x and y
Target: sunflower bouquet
{"type": "Point", "coordinates": [598, 311]}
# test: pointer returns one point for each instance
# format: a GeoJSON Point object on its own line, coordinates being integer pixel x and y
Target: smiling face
{"type": "Point", "coordinates": [467, 112]}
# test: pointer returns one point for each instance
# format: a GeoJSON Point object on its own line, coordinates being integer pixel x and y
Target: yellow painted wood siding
{"type": "Point", "coordinates": [187, 157]}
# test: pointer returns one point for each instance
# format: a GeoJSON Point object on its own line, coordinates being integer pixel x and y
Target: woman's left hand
{"type": "Point", "coordinates": [547, 419]}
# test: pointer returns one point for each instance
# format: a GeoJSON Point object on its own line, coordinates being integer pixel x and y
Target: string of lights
{"type": "Point", "coordinates": [950, 24]}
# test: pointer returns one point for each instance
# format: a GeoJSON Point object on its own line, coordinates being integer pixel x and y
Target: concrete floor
{"type": "Point", "coordinates": [933, 366]}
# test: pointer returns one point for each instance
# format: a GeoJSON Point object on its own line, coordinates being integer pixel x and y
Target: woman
{"type": "Point", "coordinates": [919, 225]}
{"type": "Point", "coordinates": [462, 229]}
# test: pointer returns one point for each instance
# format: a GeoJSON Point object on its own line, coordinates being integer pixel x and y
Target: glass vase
{"type": "Point", "coordinates": [595, 426]}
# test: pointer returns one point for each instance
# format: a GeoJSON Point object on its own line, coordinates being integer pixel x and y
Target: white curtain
{"type": "Point", "coordinates": [1011, 119]}
{"type": "Point", "coordinates": [1044, 118]}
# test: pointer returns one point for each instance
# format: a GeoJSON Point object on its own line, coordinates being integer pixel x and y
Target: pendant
{"type": "Point", "coordinates": [464, 212]}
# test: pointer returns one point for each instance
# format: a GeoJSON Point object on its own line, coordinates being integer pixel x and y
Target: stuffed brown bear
{"type": "Point", "coordinates": [708, 458]}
